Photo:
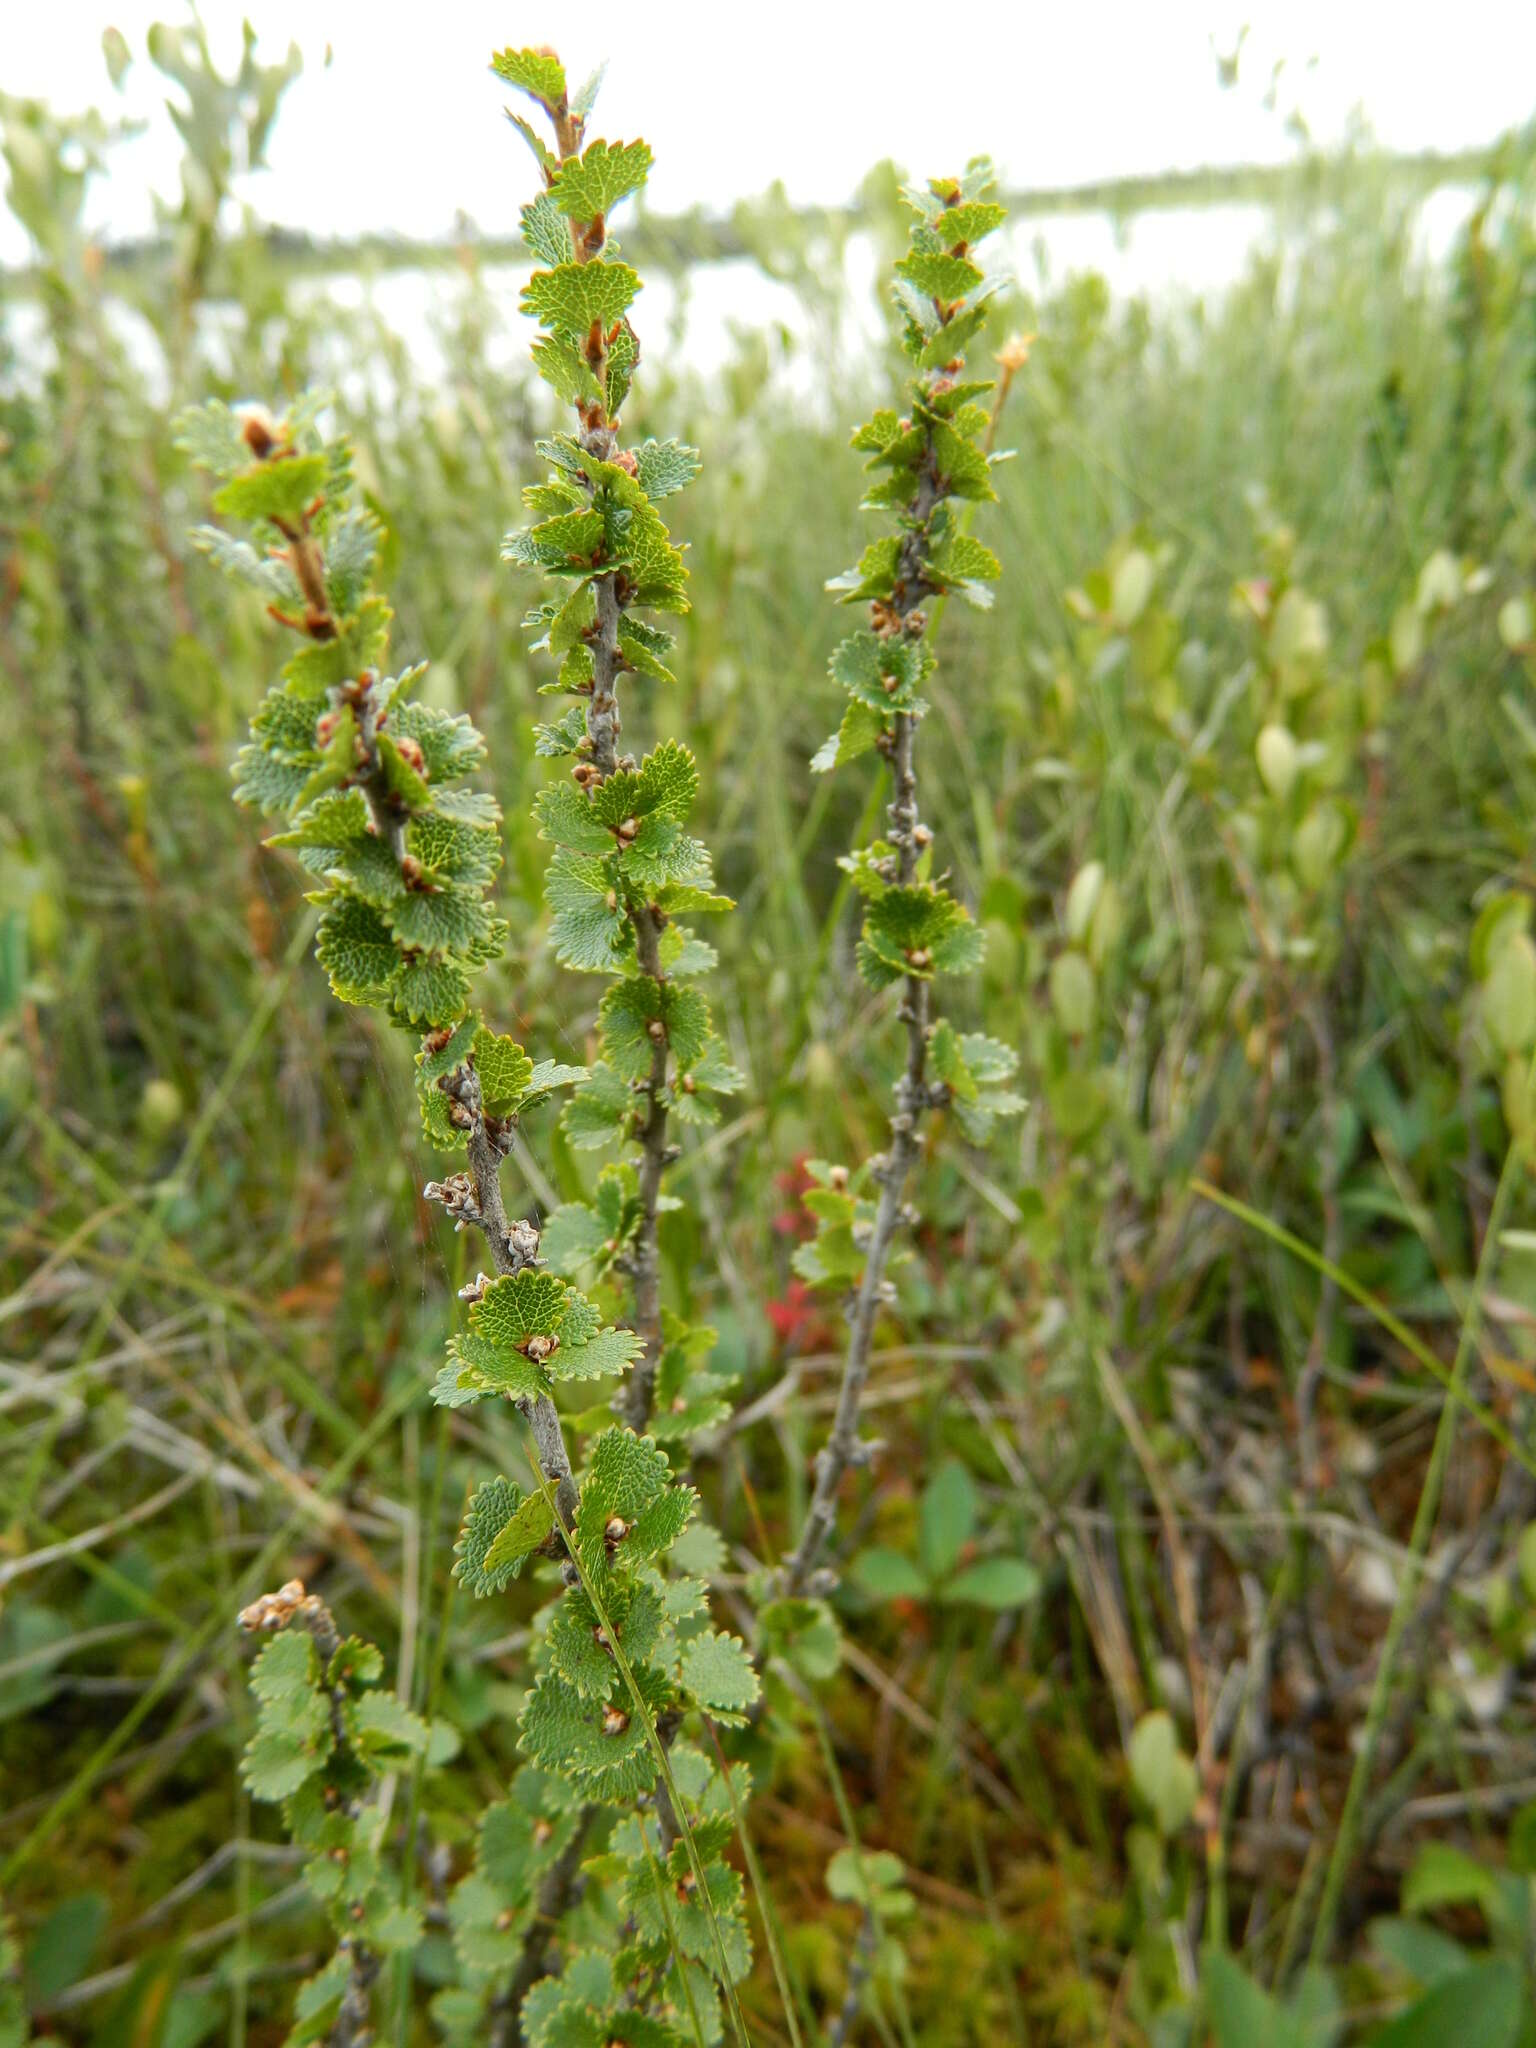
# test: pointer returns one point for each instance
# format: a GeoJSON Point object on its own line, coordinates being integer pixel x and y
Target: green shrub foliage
{"type": "Point", "coordinates": [929, 465]}
{"type": "Point", "coordinates": [373, 787]}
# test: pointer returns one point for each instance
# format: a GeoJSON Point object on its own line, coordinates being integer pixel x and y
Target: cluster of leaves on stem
{"type": "Point", "coordinates": [929, 465]}
{"type": "Point", "coordinates": [626, 871]}
{"type": "Point", "coordinates": [326, 1734]}
{"type": "Point", "coordinates": [404, 857]}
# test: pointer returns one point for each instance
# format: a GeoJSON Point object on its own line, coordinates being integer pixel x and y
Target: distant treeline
{"type": "Point", "coordinates": [674, 241]}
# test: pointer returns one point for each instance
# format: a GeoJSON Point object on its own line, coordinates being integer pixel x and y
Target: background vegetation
{"type": "Point", "coordinates": [1237, 773]}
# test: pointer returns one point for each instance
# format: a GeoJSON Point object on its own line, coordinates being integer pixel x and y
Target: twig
{"type": "Point", "coordinates": [844, 1447]}
{"type": "Point", "coordinates": [859, 1968]}
{"type": "Point", "coordinates": [512, 1247]}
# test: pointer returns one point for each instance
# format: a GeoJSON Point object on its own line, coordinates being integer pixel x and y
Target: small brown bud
{"type": "Point", "coordinates": [916, 623]}
{"type": "Point", "coordinates": [411, 872]}
{"type": "Point", "coordinates": [614, 1721]}
{"type": "Point", "coordinates": [612, 899]}
{"type": "Point", "coordinates": [688, 1085]}
{"type": "Point", "coordinates": [357, 1912]}
{"type": "Point", "coordinates": [331, 1797]}
{"type": "Point", "coordinates": [837, 1180]}
{"type": "Point", "coordinates": [339, 1855]}
{"type": "Point", "coordinates": [615, 1532]}
{"type": "Point", "coordinates": [656, 1031]}
{"type": "Point", "coordinates": [258, 430]}
{"type": "Point", "coordinates": [410, 753]}
{"type": "Point", "coordinates": [325, 728]}
{"type": "Point", "coordinates": [543, 1830]}
{"type": "Point", "coordinates": [504, 1920]}
{"type": "Point", "coordinates": [625, 460]}
{"type": "Point", "coordinates": [629, 830]}
{"type": "Point", "coordinates": [921, 836]}
{"type": "Point", "coordinates": [584, 774]}
{"type": "Point", "coordinates": [919, 958]}
{"type": "Point", "coordinates": [436, 1039]}
{"type": "Point", "coordinates": [600, 1637]}
{"type": "Point", "coordinates": [539, 1348]}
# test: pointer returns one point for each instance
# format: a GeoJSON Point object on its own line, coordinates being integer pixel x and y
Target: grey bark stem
{"type": "Point", "coordinates": [844, 1447]}
{"type": "Point", "coordinates": [634, 1403]}
{"type": "Point", "coordinates": [508, 1255]}
{"type": "Point", "coordinates": [389, 821]}
{"type": "Point", "coordinates": [603, 724]}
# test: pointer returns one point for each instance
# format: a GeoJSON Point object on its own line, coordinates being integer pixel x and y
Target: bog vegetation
{"type": "Point", "coordinates": [864, 1388]}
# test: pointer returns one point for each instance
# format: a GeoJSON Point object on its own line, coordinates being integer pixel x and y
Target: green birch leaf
{"type": "Point", "coordinates": [600, 1110]}
{"type": "Point", "coordinates": [952, 339]}
{"type": "Point", "coordinates": [860, 730]}
{"type": "Point", "coordinates": [442, 919]}
{"type": "Point", "coordinates": [338, 760]}
{"type": "Point", "coordinates": [266, 573]}
{"type": "Point", "coordinates": [210, 436]}
{"type": "Point", "coordinates": [318, 2001]}
{"type": "Point", "coordinates": [663, 467]}
{"type": "Point", "coordinates": [536, 72]}
{"type": "Point", "coordinates": [568, 817]}
{"type": "Point", "coordinates": [566, 372]}
{"type": "Point", "coordinates": [969, 223]}
{"type": "Point", "coordinates": [718, 1671]}
{"type": "Point", "coordinates": [878, 434]}
{"type": "Point", "coordinates": [278, 490]}
{"type": "Point", "coordinates": [694, 1926]}
{"type": "Point", "coordinates": [450, 745]}
{"type": "Point", "coordinates": [543, 155]}
{"type": "Point", "coordinates": [572, 296]}
{"type": "Point", "coordinates": [287, 1671]}
{"type": "Point", "coordinates": [604, 1353]}
{"type": "Point", "coordinates": [547, 1076]}
{"type": "Point", "coordinates": [604, 1753]}
{"type": "Point", "coordinates": [354, 946]}
{"type": "Point", "coordinates": [630, 1478]}
{"type": "Point", "coordinates": [545, 231]}
{"type": "Point", "coordinates": [429, 993]}
{"type": "Point", "coordinates": [939, 275]}
{"type": "Point", "coordinates": [504, 1070]}
{"type": "Point", "coordinates": [479, 1368]}
{"type": "Point", "coordinates": [387, 1732]}
{"type": "Point", "coordinates": [518, 1306]}
{"type": "Point", "coordinates": [520, 1536]}
{"type": "Point", "coordinates": [917, 930]}
{"type": "Point", "coordinates": [590, 186]}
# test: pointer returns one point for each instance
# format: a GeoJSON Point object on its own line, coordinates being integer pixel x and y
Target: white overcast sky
{"type": "Point", "coordinates": [403, 128]}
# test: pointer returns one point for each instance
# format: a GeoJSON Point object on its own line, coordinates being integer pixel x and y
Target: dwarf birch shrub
{"type": "Point", "coordinates": [929, 465]}
{"type": "Point", "coordinates": [599, 1904]}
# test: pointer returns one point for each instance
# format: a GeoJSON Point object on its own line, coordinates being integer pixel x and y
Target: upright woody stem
{"type": "Point", "coordinates": [844, 1447]}
{"type": "Point", "coordinates": [913, 928]}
